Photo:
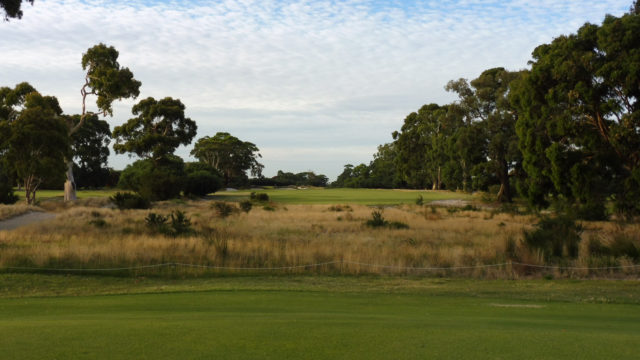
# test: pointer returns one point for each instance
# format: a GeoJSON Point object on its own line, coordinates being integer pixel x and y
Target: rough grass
{"type": "Point", "coordinates": [9, 211]}
{"type": "Point", "coordinates": [320, 318]}
{"type": "Point", "coordinates": [344, 196]}
{"type": "Point", "coordinates": [87, 237]}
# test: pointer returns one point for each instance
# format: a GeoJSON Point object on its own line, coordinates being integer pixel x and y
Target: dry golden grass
{"type": "Point", "coordinates": [9, 211]}
{"type": "Point", "coordinates": [85, 236]}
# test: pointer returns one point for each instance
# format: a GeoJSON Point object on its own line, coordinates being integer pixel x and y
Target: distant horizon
{"type": "Point", "coordinates": [314, 84]}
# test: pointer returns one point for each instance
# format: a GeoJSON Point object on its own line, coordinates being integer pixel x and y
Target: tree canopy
{"type": "Point", "coordinates": [13, 8]}
{"type": "Point", "coordinates": [35, 143]}
{"type": "Point", "coordinates": [229, 155]}
{"type": "Point", "coordinates": [158, 129]}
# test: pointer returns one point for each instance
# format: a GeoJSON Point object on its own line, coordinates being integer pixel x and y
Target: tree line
{"type": "Point", "coordinates": [40, 145]}
{"type": "Point", "coordinates": [565, 131]}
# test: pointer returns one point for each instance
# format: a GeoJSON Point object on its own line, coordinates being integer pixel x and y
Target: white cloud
{"type": "Point", "coordinates": [288, 74]}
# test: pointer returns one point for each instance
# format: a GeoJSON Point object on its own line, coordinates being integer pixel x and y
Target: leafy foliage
{"type": "Point", "coordinates": [34, 140]}
{"type": "Point", "coordinates": [159, 128]}
{"type": "Point", "coordinates": [555, 237]}
{"type": "Point", "coordinates": [229, 155]}
{"type": "Point", "coordinates": [223, 209]}
{"type": "Point", "coordinates": [13, 8]}
{"type": "Point", "coordinates": [127, 200]}
{"type": "Point", "coordinates": [154, 180]}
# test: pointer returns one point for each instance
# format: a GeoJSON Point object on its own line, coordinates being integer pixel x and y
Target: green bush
{"type": "Point", "coordinates": [260, 197]}
{"type": "Point", "coordinates": [555, 237]}
{"type": "Point", "coordinates": [420, 200]}
{"type": "Point", "coordinates": [156, 222]}
{"type": "Point", "coordinates": [155, 180]}
{"type": "Point", "coordinates": [180, 223]}
{"type": "Point", "coordinates": [126, 200]}
{"type": "Point", "coordinates": [377, 220]}
{"type": "Point", "coordinates": [246, 206]}
{"type": "Point", "coordinates": [6, 190]}
{"type": "Point", "coordinates": [223, 209]}
{"type": "Point", "coordinates": [201, 183]}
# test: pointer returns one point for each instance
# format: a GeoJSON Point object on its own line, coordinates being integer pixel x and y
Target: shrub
{"type": "Point", "coordinates": [592, 211]}
{"type": "Point", "coordinates": [397, 225]}
{"type": "Point", "coordinates": [126, 200]}
{"type": "Point", "coordinates": [156, 180]}
{"type": "Point", "coordinates": [201, 183]}
{"type": "Point", "coordinates": [6, 190]}
{"type": "Point", "coordinates": [223, 209]}
{"type": "Point", "coordinates": [156, 222]}
{"type": "Point", "coordinates": [377, 220]}
{"type": "Point", "coordinates": [98, 222]}
{"type": "Point", "coordinates": [246, 206]}
{"type": "Point", "coordinates": [180, 223]}
{"type": "Point", "coordinates": [338, 208]}
{"type": "Point", "coordinates": [625, 245]}
{"type": "Point", "coordinates": [555, 237]}
{"type": "Point", "coordinates": [260, 197]}
{"type": "Point", "coordinates": [420, 200]}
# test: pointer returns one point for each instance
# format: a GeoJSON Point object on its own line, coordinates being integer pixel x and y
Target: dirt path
{"type": "Point", "coordinates": [25, 219]}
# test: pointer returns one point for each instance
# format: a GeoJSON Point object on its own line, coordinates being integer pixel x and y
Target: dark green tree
{"type": "Point", "coordinates": [229, 155]}
{"type": "Point", "coordinates": [13, 8]}
{"type": "Point", "coordinates": [485, 105]}
{"type": "Point", "coordinates": [156, 132]}
{"type": "Point", "coordinates": [90, 147]}
{"type": "Point", "coordinates": [35, 143]}
{"type": "Point", "coordinates": [580, 117]}
{"type": "Point", "coordinates": [106, 80]}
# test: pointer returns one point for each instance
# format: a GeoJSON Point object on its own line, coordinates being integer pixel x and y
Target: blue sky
{"type": "Point", "coordinates": [314, 84]}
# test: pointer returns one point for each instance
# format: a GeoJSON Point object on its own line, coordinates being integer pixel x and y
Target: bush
{"type": "Point", "coordinates": [246, 206]}
{"type": "Point", "coordinates": [180, 223]}
{"type": "Point", "coordinates": [592, 211]}
{"type": "Point", "coordinates": [6, 190]}
{"type": "Point", "coordinates": [125, 200]}
{"type": "Point", "coordinates": [377, 220]}
{"type": "Point", "coordinates": [555, 237]}
{"type": "Point", "coordinates": [223, 209]}
{"type": "Point", "coordinates": [156, 222]}
{"type": "Point", "coordinates": [420, 200]}
{"type": "Point", "coordinates": [155, 180]}
{"type": "Point", "coordinates": [200, 183]}
{"type": "Point", "coordinates": [260, 197]}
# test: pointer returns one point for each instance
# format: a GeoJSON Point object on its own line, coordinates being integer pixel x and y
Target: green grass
{"type": "Point", "coordinates": [317, 318]}
{"type": "Point", "coordinates": [344, 196]}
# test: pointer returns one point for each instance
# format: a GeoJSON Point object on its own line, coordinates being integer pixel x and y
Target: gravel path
{"type": "Point", "coordinates": [25, 219]}
{"type": "Point", "coordinates": [453, 203]}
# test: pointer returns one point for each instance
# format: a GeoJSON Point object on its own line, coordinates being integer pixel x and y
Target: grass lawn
{"type": "Point", "coordinates": [344, 196]}
{"type": "Point", "coordinates": [316, 318]}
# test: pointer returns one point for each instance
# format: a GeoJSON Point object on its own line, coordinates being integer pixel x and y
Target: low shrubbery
{"type": "Point", "coordinates": [555, 237]}
{"type": "Point", "coordinates": [377, 220]}
{"type": "Point", "coordinates": [127, 200]}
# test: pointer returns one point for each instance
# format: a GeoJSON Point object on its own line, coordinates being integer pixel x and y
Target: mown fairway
{"type": "Point", "coordinates": [344, 196]}
{"type": "Point", "coordinates": [320, 322]}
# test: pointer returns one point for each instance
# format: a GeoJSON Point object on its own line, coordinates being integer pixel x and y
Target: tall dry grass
{"type": "Point", "coordinates": [89, 237]}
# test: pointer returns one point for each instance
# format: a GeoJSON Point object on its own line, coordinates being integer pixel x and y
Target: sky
{"type": "Point", "coordinates": [314, 84]}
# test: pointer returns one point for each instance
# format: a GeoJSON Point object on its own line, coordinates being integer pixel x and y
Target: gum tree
{"type": "Point", "coordinates": [107, 81]}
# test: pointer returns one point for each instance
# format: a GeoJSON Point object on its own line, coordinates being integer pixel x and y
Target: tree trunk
{"type": "Point", "coordinates": [504, 195]}
{"type": "Point", "coordinates": [70, 184]}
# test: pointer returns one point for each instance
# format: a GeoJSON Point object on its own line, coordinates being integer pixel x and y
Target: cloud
{"type": "Point", "coordinates": [288, 73]}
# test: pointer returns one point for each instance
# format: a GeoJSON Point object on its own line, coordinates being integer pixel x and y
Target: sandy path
{"type": "Point", "coordinates": [25, 219]}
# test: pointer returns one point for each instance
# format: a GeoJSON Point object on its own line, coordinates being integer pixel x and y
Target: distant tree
{"type": "Point", "coordinates": [13, 8]}
{"type": "Point", "coordinates": [201, 179]}
{"type": "Point", "coordinates": [36, 142]}
{"type": "Point", "coordinates": [90, 147]}
{"type": "Point", "coordinates": [157, 131]}
{"type": "Point", "coordinates": [635, 8]}
{"type": "Point", "coordinates": [229, 155]}
{"type": "Point", "coordinates": [155, 180]}
{"type": "Point", "coordinates": [108, 81]}
{"type": "Point", "coordinates": [485, 104]}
